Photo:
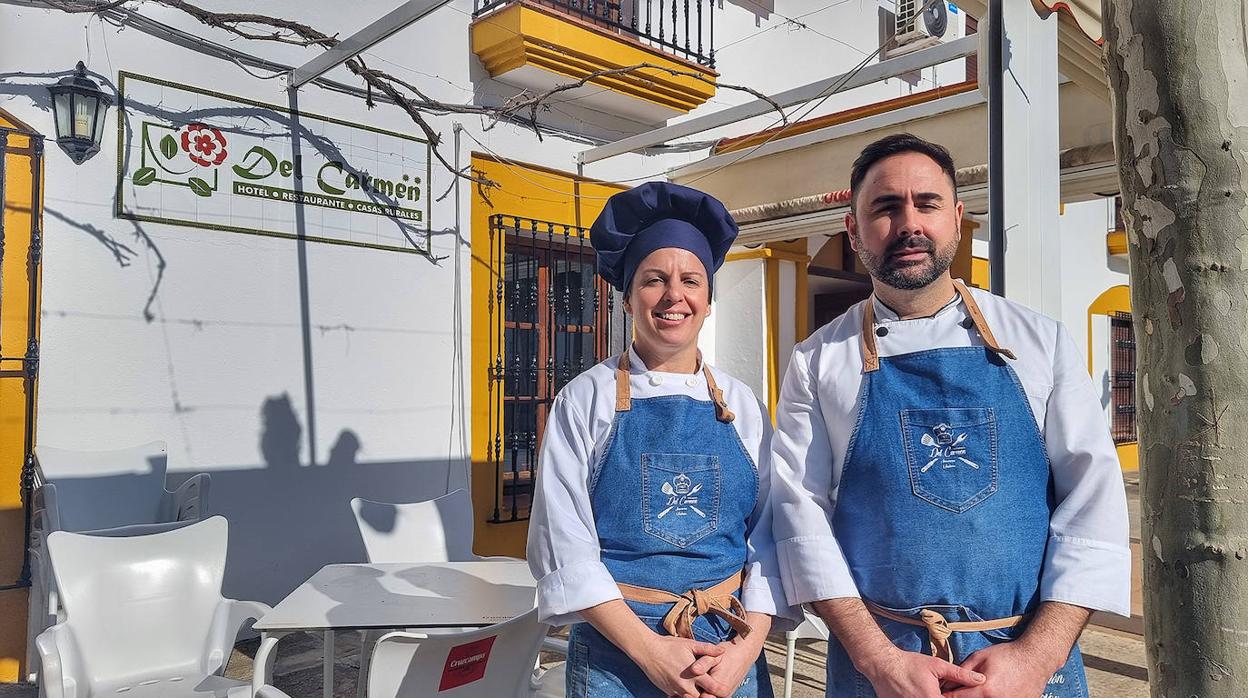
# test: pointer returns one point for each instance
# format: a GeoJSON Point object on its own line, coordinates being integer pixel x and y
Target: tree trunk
{"type": "Point", "coordinates": [1179, 80]}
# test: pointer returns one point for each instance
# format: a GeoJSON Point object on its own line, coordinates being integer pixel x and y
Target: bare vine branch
{"type": "Point", "coordinates": [413, 101]}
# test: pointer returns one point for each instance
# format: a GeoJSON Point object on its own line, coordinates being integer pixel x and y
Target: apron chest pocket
{"type": "Point", "coordinates": [680, 496]}
{"type": "Point", "coordinates": [952, 455]}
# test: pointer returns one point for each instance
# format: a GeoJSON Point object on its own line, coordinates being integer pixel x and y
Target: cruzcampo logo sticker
{"type": "Point", "coordinates": [203, 159]}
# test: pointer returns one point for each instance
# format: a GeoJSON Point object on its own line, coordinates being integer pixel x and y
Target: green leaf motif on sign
{"type": "Point", "coordinates": [168, 147]}
{"type": "Point", "coordinates": [199, 186]}
{"type": "Point", "coordinates": [144, 176]}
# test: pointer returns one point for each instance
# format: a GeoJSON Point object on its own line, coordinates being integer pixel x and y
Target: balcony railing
{"type": "Point", "coordinates": [680, 27]}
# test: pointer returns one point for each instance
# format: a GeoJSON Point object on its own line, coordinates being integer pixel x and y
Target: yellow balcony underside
{"type": "Point", "coordinates": [523, 35]}
{"type": "Point", "coordinates": [1116, 242]}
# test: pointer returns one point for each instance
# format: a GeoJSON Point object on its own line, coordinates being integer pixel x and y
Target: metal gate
{"type": "Point", "coordinates": [1122, 368]}
{"type": "Point", "coordinates": [551, 318]}
{"type": "Point", "coordinates": [21, 249]}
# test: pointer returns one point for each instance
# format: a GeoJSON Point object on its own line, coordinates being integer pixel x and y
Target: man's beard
{"type": "Point", "coordinates": [909, 277]}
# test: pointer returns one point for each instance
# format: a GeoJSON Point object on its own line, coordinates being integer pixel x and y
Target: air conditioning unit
{"type": "Point", "coordinates": [919, 24]}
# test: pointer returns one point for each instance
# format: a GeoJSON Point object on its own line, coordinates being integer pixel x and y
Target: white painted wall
{"type": "Point", "coordinates": [741, 324]}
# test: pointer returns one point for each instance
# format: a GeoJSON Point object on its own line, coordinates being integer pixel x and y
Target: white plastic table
{"type": "Point", "coordinates": [387, 596]}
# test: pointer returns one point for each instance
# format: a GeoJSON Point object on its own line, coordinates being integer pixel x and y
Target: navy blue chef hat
{"type": "Point", "coordinates": [655, 215]}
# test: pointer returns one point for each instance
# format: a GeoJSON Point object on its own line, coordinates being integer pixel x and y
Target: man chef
{"type": "Point", "coordinates": [946, 492]}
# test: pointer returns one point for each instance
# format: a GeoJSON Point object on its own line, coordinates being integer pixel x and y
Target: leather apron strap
{"type": "Point", "coordinates": [939, 629]}
{"type": "Point", "coordinates": [624, 398]}
{"type": "Point", "coordinates": [871, 355]}
{"type": "Point", "coordinates": [717, 600]}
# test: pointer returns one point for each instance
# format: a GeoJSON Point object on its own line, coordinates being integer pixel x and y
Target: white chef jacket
{"type": "Point", "coordinates": [1087, 559]}
{"type": "Point", "coordinates": [563, 549]}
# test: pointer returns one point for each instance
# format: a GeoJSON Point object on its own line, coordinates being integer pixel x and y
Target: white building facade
{"type": "Point", "coordinates": [303, 300]}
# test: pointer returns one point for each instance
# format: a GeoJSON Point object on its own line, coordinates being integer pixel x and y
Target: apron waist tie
{"type": "Point", "coordinates": [717, 600]}
{"type": "Point", "coordinates": [939, 629]}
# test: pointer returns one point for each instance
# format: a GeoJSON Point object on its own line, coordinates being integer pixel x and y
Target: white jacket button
{"type": "Point", "coordinates": [656, 380]}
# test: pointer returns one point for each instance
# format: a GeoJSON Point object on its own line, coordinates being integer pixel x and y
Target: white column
{"type": "Point", "coordinates": [1032, 239]}
{"type": "Point", "coordinates": [740, 310]}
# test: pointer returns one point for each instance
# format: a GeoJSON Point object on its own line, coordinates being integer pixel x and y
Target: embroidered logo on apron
{"type": "Point", "coordinates": [680, 496]}
{"type": "Point", "coordinates": [946, 449]}
{"type": "Point", "coordinates": [951, 454]}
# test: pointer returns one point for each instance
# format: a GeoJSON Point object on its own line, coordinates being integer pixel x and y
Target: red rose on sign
{"type": "Point", "coordinates": [204, 144]}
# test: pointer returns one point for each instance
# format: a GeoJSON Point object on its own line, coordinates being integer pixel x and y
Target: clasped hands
{"type": "Point", "coordinates": [685, 668]}
{"type": "Point", "coordinates": [1005, 670]}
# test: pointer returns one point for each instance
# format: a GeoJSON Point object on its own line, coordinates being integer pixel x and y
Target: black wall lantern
{"type": "Point", "coordinates": [78, 107]}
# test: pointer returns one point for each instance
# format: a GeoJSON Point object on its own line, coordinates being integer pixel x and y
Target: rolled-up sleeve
{"type": "Point", "coordinates": [764, 588]}
{"type": "Point", "coordinates": [1088, 560]}
{"type": "Point", "coordinates": [563, 550]}
{"type": "Point", "coordinates": [812, 564]}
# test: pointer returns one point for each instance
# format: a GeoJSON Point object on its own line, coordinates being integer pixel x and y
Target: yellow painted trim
{"type": "Point", "coordinates": [1129, 456]}
{"type": "Point", "coordinates": [528, 34]}
{"type": "Point", "coordinates": [528, 191]}
{"type": "Point", "coordinates": [768, 253]}
{"type": "Point", "coordinates": [771, 272]}
{"type": "Point", "coordinates": [17, 210]}
{"type": "Point", "coordinates": [1115, 299]}
{"type": "Point", "coordinates": [979, 272]}
{"type": "Point", "coordinates": [1116, 242]}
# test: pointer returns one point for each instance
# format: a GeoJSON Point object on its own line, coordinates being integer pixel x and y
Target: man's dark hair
{"type": "Point", "coordinates": [893, 145]}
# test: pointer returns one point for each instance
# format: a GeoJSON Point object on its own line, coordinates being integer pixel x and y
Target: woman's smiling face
{"type": "Point", "coordinates": [669, 299]}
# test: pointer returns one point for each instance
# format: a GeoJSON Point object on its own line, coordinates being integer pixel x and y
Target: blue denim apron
{"type": "Point", "coordinates": [944, 503]}
{"type": "Point", "coordinates": [672, 497]}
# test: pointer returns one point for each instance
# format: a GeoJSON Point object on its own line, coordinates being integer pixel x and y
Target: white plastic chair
{"type": "Point", "coordinates": [436, 530]}
{"type": "Point", "coordinates": [811, 628]}
{"type": "Point", "coordinates": [108, 493]}
{"type": "Point", "coordinates": [144, 616]}
{"type": "Point", "coordinates": [493, 662]}
{"type": "Point", "coordinates": [99, 490]}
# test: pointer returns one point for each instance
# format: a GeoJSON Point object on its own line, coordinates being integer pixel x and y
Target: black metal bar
{"type": "Point", "coordinates": [32, 347]}
{"type": "Point", "coordinates": [582, 276]}
{"type": "Point", "coordinates": [675, 43]}
{"type": "Point", "coordinates": [700, 26]}
{"type": "Point", "coordinates": [662, 17]}
{"type": "Point", "coordinates": [687, 51]}
{"type": "Point", "coordinates": [633, 22]}
{"type": "Point", "coordinates": [648, 13]}
{"type": "Point", "coordinates": [996, 149]}
{"type": "Point", "coordinates": [710, 26]}
{"type": "Point", "coordinates": [494, 425]}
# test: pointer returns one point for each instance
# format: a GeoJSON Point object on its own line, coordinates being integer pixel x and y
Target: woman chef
{"type": "Point", "coordinates": [649, 529]}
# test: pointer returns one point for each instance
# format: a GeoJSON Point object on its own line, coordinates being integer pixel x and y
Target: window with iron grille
{"type": "Point", "coordinates": [551, 318]}
{"type": "Point", "coordinates": [1122, 377]}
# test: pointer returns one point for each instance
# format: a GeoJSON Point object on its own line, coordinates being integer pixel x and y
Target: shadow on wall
{"type": "Point", "coordinates": [288, 520]}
